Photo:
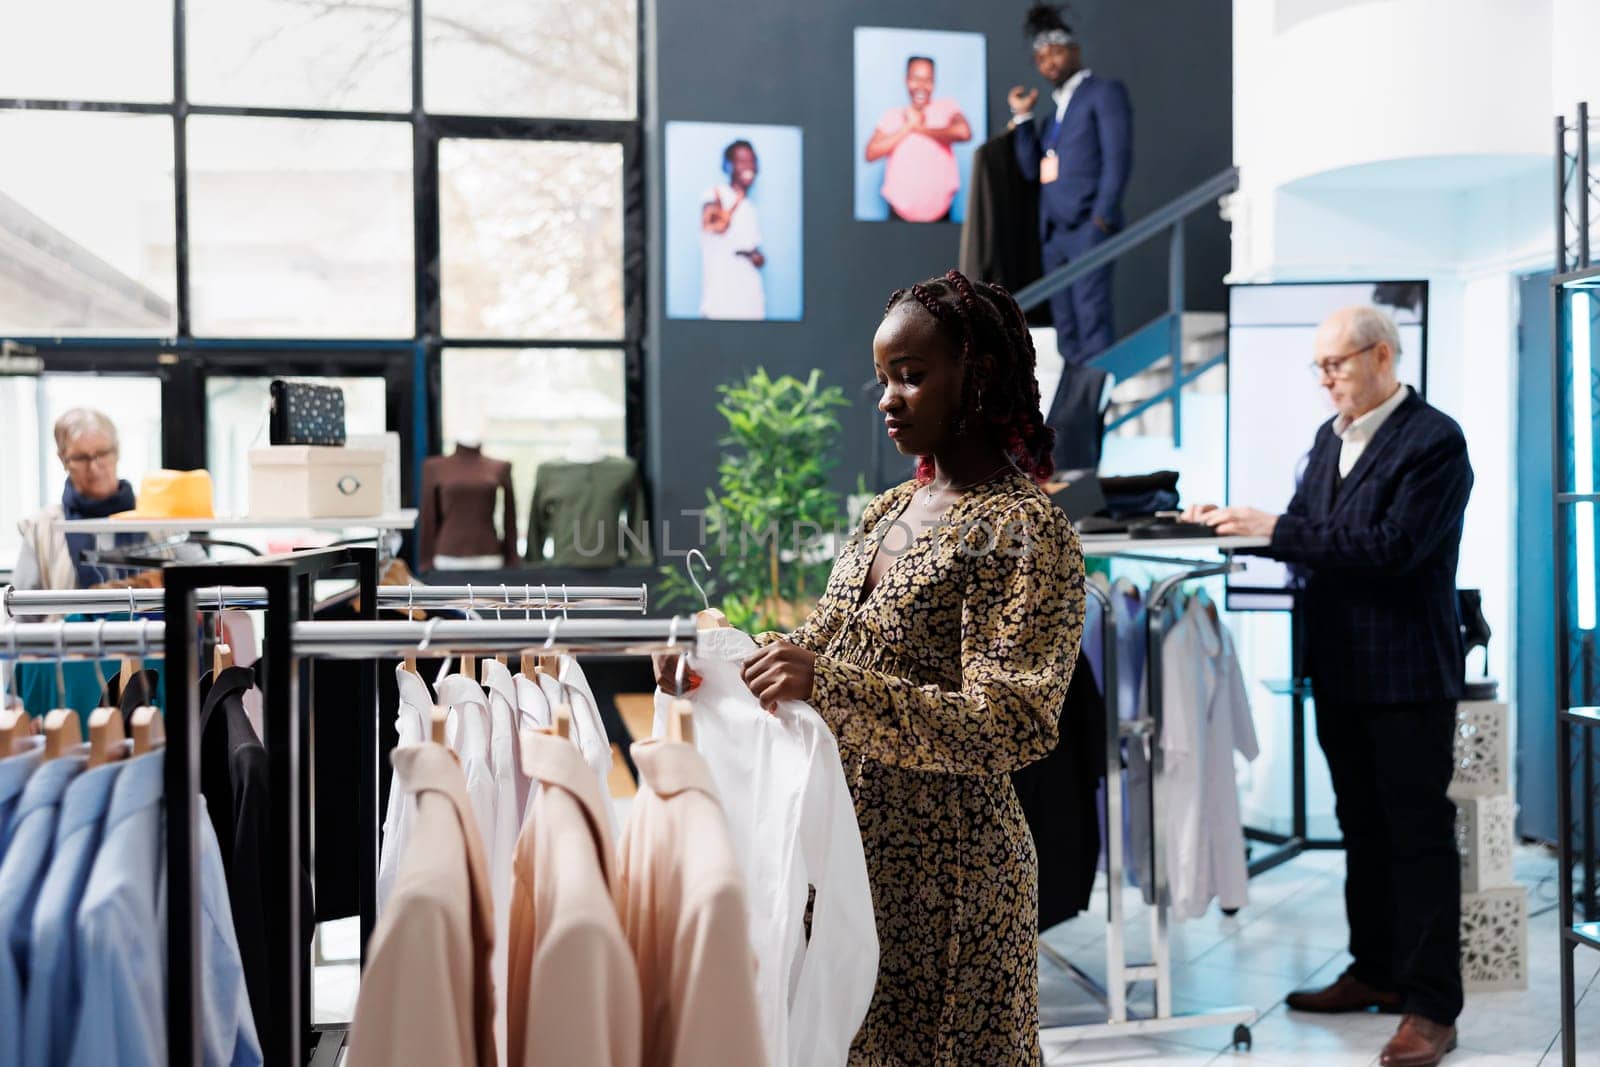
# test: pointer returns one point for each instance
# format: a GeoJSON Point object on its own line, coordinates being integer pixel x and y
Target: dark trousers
{"type": "Point", "coordinates": [1082, 311]}
{"type": "Point", "coordinates": [1391, 765]}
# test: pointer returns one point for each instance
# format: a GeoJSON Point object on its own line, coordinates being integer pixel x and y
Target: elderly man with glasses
{"type": "Point", "coordinates": [1374, 533]}
{"type": "Point", "coordinates": [86, 444]}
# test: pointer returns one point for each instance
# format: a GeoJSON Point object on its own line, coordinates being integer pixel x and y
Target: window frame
{"type": "Point", "coordinates": [411, 365]}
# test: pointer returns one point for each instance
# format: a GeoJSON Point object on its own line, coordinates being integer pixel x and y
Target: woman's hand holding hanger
{"type": "Point", "coordinates": [666, 668]}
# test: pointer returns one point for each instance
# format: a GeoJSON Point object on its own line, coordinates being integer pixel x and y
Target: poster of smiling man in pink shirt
{"type": "Point", "coordinates": [910, 86]}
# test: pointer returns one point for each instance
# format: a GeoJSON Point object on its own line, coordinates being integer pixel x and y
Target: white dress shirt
{"type": "Point", "coordinates": [1206, 717]}
{"type": "Point", "coordinates": [502, 844]}
{"type": "Point", "coordinates": [411, 723]}
{"type": "Point", "coordinates": [587, 728]}
{"type": "Point", "coordinates": [1356, 434]}
{"type": "Point", "coordinates": [1063, 95]}
{"type": "Point", "coordinates": [793, 826]}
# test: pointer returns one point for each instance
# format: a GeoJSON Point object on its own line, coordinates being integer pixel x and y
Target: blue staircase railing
{"type": "Point", "coordinates": [1163, 335]}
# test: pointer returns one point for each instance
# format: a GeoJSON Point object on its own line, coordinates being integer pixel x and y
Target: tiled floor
{"type": "Point", "coordinates": [1291, 934]}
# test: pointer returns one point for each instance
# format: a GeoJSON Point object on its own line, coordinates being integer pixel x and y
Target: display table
{"type": "Point", "coordinates": [1112, 545]}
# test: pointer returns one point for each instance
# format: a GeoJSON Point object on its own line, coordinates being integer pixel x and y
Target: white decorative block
{"type": "Point", "coordinates": [1483, 750]}
{"type": "Point", "coordinates": [1494, 940]}
{"type": "Point", "coordinates": [1484, 837]}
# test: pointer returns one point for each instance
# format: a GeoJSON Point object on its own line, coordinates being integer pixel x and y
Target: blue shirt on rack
{"type": "Point", "coordinates": [14, 772]}
{"type": "Point", "coordinates": [22, 869]}
{"type": "Point", "coordinates": [122, 931]}
{"type": "Point", "coordinates": [50, 1006]}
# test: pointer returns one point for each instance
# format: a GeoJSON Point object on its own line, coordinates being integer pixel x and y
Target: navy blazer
{"type": "Point", "coordinates": [1377, 556]}
{"type": "Point", "coordinates": [1094, 144]}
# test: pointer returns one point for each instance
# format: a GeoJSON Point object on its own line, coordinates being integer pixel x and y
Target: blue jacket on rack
{"type": "Point", "coordinates": [1377, 554]}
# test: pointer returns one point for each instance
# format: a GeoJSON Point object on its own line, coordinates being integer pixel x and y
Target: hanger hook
{"type": "Point", "coordinates": [544, 602]}
{"type": "Point", "coordinates": [505, 598]}
{"type": "Point", "coordinates": [527, 602]}
{"type": "Point", "coordinates": [11, 679]}
{"type": "Point", "coordinates": [61, 656]}
{"type": "Point", "coordinates": [550, 638]}
{"type": "Point", "coordinates": [566, 600]}
{"type": "Point", "coordinates": [472, 602]}
{"type": "Point", "coordinates": [688, 565]}
{"type": "Point", "coordinates": [100, 653]}
{"type": "Point", "coordinates": [411, 601]}
{"type": "Point", "coordinates": [131, 611]}
{"type": "Point", "coordinates": [144, 639]}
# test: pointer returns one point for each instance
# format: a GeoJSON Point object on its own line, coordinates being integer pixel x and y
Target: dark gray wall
{"type": "Point", "coordinates": [791, 64]}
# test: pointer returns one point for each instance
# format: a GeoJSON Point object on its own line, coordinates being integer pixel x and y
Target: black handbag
{"type": "Point", "coordinates": [306, 414]}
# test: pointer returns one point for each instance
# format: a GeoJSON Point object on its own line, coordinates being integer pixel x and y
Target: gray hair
{"type": "Point", "coordinates": [79, 421]}
{"type": "Point", "coordinates": [1369, 326]}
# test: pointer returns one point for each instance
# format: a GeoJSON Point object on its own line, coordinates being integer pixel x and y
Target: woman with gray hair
{"type": "Point", "coordinates": [86, 444]}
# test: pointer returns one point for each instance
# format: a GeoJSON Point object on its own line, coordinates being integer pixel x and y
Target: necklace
{"type": "Point", "coordinates": [929, 493]}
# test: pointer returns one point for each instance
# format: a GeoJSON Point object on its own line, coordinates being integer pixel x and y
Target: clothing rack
{"type": "Point", "coordinates": [285, 584]}
{"type": "Point", "coordinates": [496, 597]}
{"type": "Point", "coordinates": [1120, 973]}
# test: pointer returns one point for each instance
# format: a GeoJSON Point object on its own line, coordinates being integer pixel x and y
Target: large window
{"type": "Point", "coordinates": [446, 207]}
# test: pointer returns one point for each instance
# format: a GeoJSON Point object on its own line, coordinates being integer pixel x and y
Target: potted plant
{"type": "Point", "coordinates": [772, 521]}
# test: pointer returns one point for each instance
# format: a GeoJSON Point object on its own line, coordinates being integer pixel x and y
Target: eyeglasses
{"type": "Point", "coordinates": [1334, 366]}
{"type": "Point", "coordinates": [84, 460]}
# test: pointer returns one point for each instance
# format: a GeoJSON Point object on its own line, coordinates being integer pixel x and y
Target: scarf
{"type": "Point", "coordinates": [74, 505]}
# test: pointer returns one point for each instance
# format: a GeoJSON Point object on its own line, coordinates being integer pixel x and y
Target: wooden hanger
{"type": "Point", "coordinates": [550, 665]}
{"type": "Point", "coordinates": [530, 665]}
{"type": "Point", "coordinates": [131, 665]}
{"type": "Point", "coordinates": [221, 657]}
{"type": "Point", "coordinates": [149, 730]}
{"type": "Point", "coordinates": [436, 723]}
{"type": "Point", "coordinates": [680, 721]}
{"type": "Point", "coordinates": [710, 619]}
{"type": "Point", "coordinates": [469, 666]}
{"type": "Point", "coordinates": [501, 659]}
{"type": "Point", "coordinates": [410, 664]}
{"type": "Point", "coordinates": [14, 726]}
{"type": "Point", "coordinates": [563, 723]}
{"type": "Point", "coordinates": [105, 736]}
{"type": "Point", "coordinates": [63, 732]}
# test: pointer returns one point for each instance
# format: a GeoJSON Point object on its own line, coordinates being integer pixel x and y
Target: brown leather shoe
{"type": "Point", "coordinates": [1419, 1042]}
{"type": "Point", "coordinates": [1347, 993]}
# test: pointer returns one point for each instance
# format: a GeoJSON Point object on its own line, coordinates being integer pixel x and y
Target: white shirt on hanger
{"type": "Point", "coordinates": [502, 844]}
{"type": "Point", "coordinates": [411, 722]}
{"type": "Point", "coordinates": [793, 826]}
{"type": "Point", "coordinates": [467, 733]}
{"type": "Point", "coordinates": [1206, 717]}
{"type": "Point", "coordinates": [587, 728]}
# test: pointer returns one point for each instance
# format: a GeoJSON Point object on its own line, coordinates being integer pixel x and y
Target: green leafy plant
{"type": "Point", "coordinates": [768, 521]}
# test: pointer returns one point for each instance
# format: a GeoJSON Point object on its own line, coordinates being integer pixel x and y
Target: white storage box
{"type": "Point", "coordinates": [1494, 940]}
{"type": "Point", "coordinates": [314, 482]}
{"type": "Point", "coordinates": [1483, 750]}
{"type": "Point", "coordinates": [1485, 834]}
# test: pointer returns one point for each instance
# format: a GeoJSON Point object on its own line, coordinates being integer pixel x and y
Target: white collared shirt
{"type": "Point", "coordinates": [1357, 433]}
{"type": "Point", "coordinates": [793, 826]}
{"type": "Point", "coordinates": [1063, 95]}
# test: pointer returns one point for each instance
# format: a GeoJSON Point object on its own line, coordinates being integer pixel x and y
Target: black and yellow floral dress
{"type": "Point", "coordinates": [942, 680]}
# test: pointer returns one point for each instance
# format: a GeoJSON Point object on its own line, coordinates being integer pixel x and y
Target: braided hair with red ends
{"type": "Point", "coordinates": [981, 318]}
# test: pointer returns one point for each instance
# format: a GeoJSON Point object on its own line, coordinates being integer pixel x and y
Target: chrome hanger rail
{"type": "Point", "coordinates": [496, 597]}
{"type": "Point", "coordinates": [367, 640]}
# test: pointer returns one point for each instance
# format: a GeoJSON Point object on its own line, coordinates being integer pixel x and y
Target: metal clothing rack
{"type": "Point", "coordinates": [291, 639]}
{"type": "Point", "coordinates": [1120, 973]}
{"type": "Point", "coordinates": [496, 597]}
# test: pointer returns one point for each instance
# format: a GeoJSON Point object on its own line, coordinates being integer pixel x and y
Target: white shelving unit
{"type": "Point", "coordinates": [400, 520]}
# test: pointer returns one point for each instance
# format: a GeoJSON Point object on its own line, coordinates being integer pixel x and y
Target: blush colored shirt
{"type": "Point", "coordinates": [920, 178]}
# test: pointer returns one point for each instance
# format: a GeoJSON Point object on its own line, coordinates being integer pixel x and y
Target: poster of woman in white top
{"type": "Point", "coordinates": [733, 221]}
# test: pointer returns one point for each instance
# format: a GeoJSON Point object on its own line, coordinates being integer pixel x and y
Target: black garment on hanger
{"type": "Point", "coordinates": [1000, 237]}
{"type": "Point", "coordinates": [1058, 800]}
{"type": "Point", "coordinates": [143, 688]}
{"type": "Point", "coordinates": [234, 780]}
{"type": "Point", "coordinates": [1077, 418]}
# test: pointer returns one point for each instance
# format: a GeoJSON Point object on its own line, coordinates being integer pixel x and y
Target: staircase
{"type": "Point", "coordinates": [1147, 399]}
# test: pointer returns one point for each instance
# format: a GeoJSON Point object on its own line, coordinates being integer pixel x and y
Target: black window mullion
{"type": "Point", "coordinates": [180, 178]}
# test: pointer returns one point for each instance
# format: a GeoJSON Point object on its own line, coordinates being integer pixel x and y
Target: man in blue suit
{"type": "Point", "coordinates": [1374, 533]}
{"type": "Point", "coordinates": [1080, 154]}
